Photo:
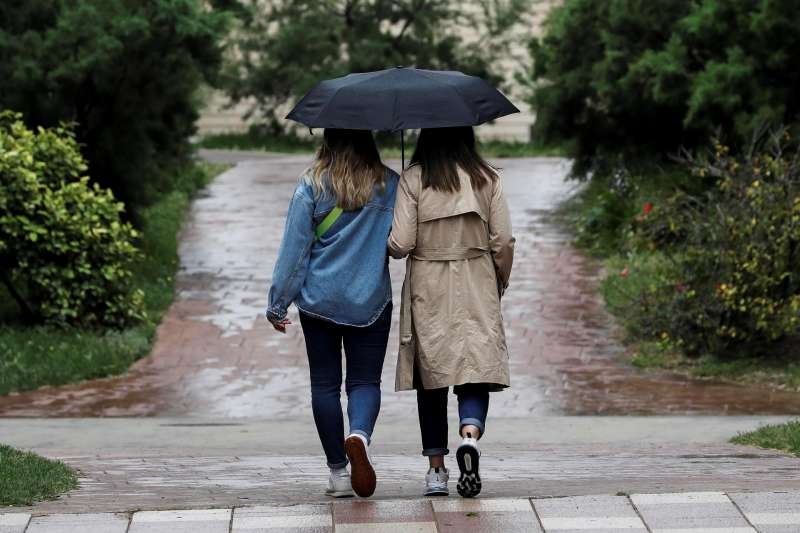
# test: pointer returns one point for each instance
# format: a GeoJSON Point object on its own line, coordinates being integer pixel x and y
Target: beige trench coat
{"type": "Point", "coordinates": [460, 250]}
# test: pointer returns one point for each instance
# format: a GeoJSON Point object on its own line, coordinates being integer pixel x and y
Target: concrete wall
{"type": "Point", "coordinates": [217, 117]}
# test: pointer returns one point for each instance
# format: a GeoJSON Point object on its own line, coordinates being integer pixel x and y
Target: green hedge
{"type": "Point", "coordinates": [65, 255]}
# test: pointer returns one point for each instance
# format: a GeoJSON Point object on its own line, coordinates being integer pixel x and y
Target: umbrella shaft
{"type": "Point", "coordinates": [402, 152]}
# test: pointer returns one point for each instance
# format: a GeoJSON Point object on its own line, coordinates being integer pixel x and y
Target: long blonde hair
{"type": "Point", "coordinates": [348, 167]}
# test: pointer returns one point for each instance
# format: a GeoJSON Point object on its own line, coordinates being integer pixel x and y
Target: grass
{"type": "Point", "coordinates": [785, 437]}
{"type": "Point", "coordinates": [26, 478]}
{"type": "Point", "coordinates": [33, 356]}
{"type": "Point", "coordinates": [388, 143]}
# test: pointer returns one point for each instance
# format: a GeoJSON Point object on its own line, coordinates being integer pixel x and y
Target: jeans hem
{"type": "Point", "coordinates": [473, 422]}
{"type": "Point", "coordinates": [338, 465]}
{"type": "Point", "coordinates": [362, 433]}
{"type": "Point", "coordinates": [428, 452]}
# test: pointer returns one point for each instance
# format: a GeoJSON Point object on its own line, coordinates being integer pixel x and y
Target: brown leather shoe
{"type": "Point", "coordinates": [362, 475]}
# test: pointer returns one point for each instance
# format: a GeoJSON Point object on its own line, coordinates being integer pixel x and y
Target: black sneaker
{"type": "Point", "coordinates": [468, 457]}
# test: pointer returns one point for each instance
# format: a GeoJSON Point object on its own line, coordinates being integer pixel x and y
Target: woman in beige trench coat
{"type": "Point", "coordinates": [452, 222]}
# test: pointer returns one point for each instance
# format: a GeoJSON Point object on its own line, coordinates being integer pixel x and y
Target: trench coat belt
{"type": "Point", "coordinates": [454, 253]}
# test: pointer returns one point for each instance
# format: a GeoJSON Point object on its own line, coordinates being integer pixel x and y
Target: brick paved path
{"type": "Point", "coordinates": [697, 512]}
{"type": "Point", "coordinates": [217, 356]}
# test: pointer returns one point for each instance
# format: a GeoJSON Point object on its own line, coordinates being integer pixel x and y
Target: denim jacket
{"type": "Point", "coordinates": [344, 276]}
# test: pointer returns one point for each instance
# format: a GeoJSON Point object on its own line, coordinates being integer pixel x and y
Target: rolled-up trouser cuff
{"type": "Point", "coordinates": [337, 466]}
{"type": "Point", "coordinates": [362, 433]}
{"type": "Point", "coordinates": [428, 452]}
{"type": "Point", "coordinates": [473, 422]}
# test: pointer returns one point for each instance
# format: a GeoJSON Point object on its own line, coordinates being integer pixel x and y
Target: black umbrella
{"type": "Point", "coordinates": [401, 98]}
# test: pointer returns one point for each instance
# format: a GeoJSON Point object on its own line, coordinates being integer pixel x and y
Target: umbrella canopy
{"type": "Point", "coordinates": [401, 98]}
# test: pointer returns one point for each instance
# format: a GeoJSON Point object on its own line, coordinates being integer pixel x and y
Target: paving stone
{"type": "Point", "coordinates": [79, 523]}
{"type": "Point", "coordinates": [288, 519]}
{"type": "Point", "coordinates": [388, 527]}
{"type": "Point", "coordinates": [13, 522]}
{"type": "Point", "coordinates": [382, 511]}
{"type": "Point", "coordinates": [485, 515]}
{"type": "Point", "coordinates": [698, 512]}
{"type": "Point", "coordinates": [189, 521]}
{"type": "Point", "coordinates": [453, 505]}
{"type": "Point", "coordinates": [404, 516]}
{"type": "Point", "coordinates": [600, 514]}
{"type": "Point", "coordinates": [770, 512]}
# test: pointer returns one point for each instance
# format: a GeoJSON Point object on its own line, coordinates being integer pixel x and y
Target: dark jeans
{"type": "Point", "coordinates": [473, 404]}
{"type": "Point", "coordinates": [364, 348]}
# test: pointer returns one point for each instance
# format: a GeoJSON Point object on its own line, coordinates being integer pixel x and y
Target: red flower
{"type": "Point", "coordinates": [648, 206]}
{"type": "Point", "coordinates": [625, 273]}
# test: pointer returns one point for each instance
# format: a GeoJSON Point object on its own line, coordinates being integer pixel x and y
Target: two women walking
{"type": "Point", "coordinates": [448, 216]}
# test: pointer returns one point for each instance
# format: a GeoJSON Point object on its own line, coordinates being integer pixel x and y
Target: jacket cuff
{"type": "Point", "coordinates": [276, 314]}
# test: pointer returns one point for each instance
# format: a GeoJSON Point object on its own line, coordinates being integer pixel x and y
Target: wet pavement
{"type": "Point", "coordinates": [216, 355]}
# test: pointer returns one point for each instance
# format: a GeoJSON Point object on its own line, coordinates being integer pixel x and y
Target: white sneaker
{"type": "Point", "coordinates": [468, 457]}
{"type": "Point", "coordinates": [436, 482]}
{"type": "Point", "coordinates": [339, 484]}
{"type": "Point", "coordinates": [363, 479]}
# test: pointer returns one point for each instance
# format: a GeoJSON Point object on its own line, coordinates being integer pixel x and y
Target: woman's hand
{"type": "Point", "coordinates": [279, 325]}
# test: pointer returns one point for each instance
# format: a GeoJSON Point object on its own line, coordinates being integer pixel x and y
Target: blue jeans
{"type": "Point", "coordinates": [473, 404]}
{"type": "Point", "coordinates": [364, 348]}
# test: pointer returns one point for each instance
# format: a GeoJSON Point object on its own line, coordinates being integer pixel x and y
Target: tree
{"type": "Point", "coordinates": [126, 72]}
{"type": "Point", "coordinates": [286, 46]}
{"type": "Point", "coordinates": [645, 77]}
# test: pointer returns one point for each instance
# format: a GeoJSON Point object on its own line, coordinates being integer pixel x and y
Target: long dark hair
{"type": "Point", "coordinates": [352, 164]}
{"type": "Point", "coordinates": [442, 151]}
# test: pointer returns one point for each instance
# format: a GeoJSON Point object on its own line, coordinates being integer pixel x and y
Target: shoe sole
{"type": "Point", "coordinates": [469, 482]}
{"type": "Point", "coordinates": [362, 475]}
{"type": "Point", "coordinates": [340, 494]}
{"type": "Point", "coordinates": [437, 493]}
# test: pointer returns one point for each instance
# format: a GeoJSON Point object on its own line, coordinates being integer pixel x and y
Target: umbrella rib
{"type": "Point", "coordinates": [452, 87]}
{"type": "Point", "coordinates": [336, 92]}
{"type": "Point", "coordinates": [323, 108]}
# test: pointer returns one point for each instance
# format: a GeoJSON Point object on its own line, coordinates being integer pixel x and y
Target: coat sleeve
{"type": "Point", "coordinates": [501, 242]}
{"type": "Point", "coordinates": [403, 237]}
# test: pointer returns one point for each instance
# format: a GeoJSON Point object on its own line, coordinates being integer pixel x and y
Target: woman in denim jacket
{"type": "Point", "coordinates": [335, 271]}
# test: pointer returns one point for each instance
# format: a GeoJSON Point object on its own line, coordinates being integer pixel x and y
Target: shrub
{"type": "Point", "coordinates": [731, 280]}
{"type": "Point", "coordinates": [608, 208]}
{"type": "Point", "coordinates": [65, 256]}
{"type": "Point", "coordinates": [126, 72]}
{"type": "Point", "coordinates": [648, 76]}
